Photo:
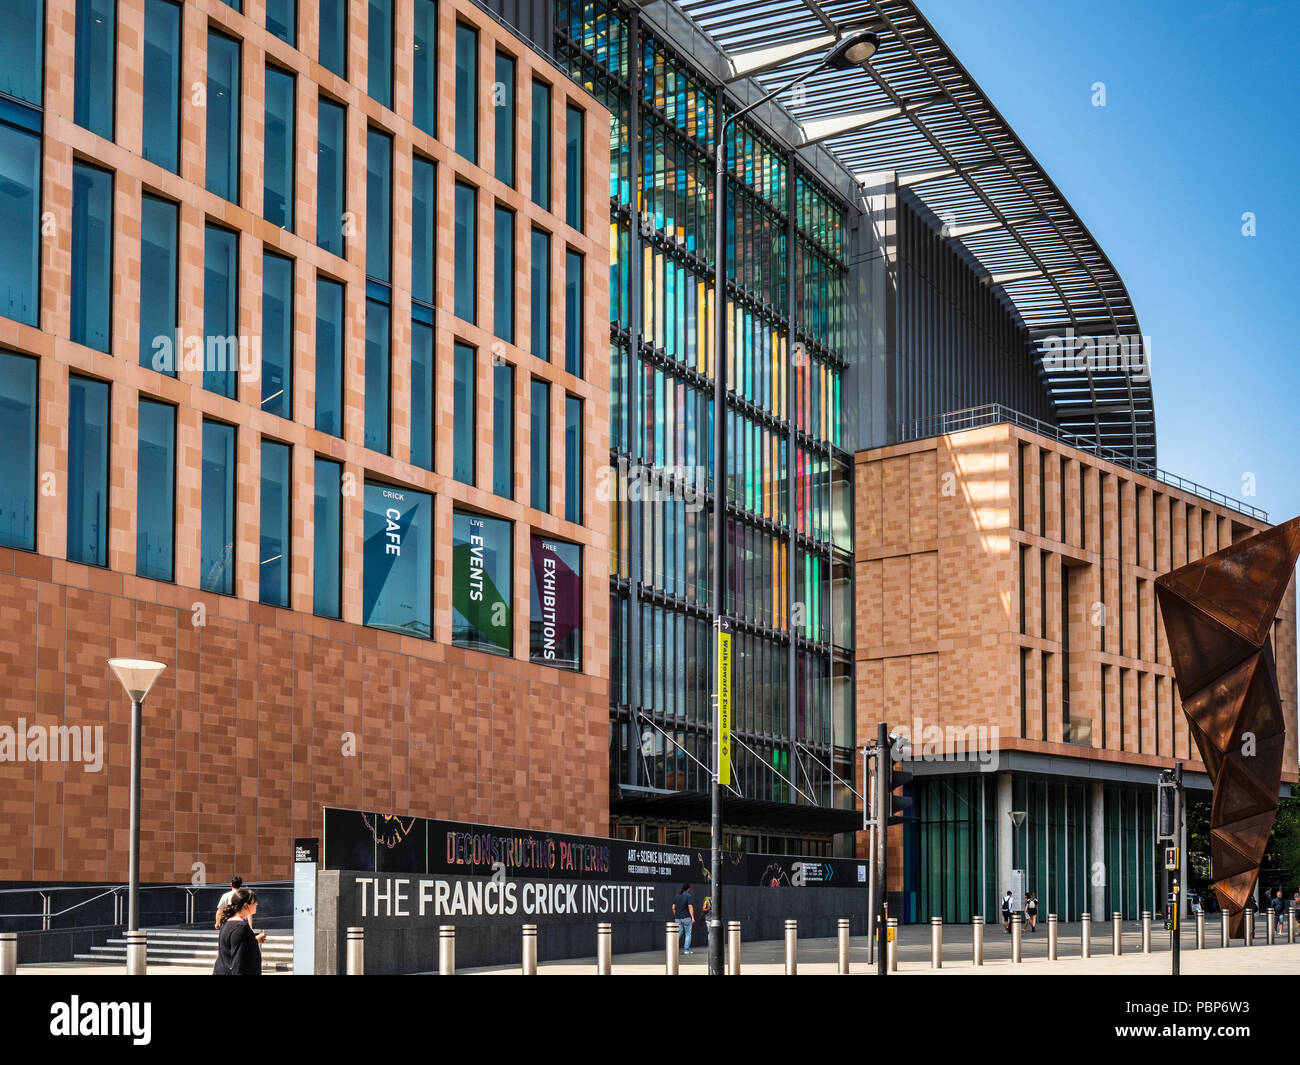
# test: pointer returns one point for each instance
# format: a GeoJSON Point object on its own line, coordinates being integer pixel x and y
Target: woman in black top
{"type": "Point", "coordinates": [239, 951]}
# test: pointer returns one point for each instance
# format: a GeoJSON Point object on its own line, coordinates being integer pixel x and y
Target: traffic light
{"type": "Point", "coordinates": [900, 750]}
{"type": "Point", "coordinates": [1166, 793]}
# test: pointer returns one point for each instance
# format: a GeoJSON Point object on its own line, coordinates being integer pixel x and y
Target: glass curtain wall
{"type": "Point", "coordinates": [786, 345]}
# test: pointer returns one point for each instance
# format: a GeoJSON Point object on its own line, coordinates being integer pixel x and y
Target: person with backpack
{"type": "Point", "coordinates": [1031, 912]}
{"type": "Point", "coordinates": [1006, 912]}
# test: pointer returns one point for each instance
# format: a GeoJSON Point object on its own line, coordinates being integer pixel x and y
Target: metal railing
{"type": "Point", "coordinates": [996, 414]}
{"type": "Point", "coordinates": [47, 914]}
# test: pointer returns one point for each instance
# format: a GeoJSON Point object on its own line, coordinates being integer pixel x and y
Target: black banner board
{"type": "Point", "coordinates": [365, 841]}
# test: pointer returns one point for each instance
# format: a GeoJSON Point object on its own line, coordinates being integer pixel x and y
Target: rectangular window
{"type": "Point", "coordinates": [277, 186]}
{"type": "Point", "coordinates": [333, 51]}
{"type": "Point", "coordinates": [463, 413]}
{"type": "Point", "coordinates": [540, 295]}
{"type": "Point", "coordinates": [18, 445]}
{"type": "Point", "coordinates": [424, 229]}
{"type": "Point", "coordinates": [282, 19]}
{"type": "Point", "coordinates": [422, 413]}
{"type": "Point", "coordinates": [329, 356]}
{"type": "Point", "coordinates": [22, 49]}
{"type": "Point", "coordinates": [573, 312]}
{"type": "Point", "coordinates": [503, 280]}
{"type": "Point", "coordinates": [467, 92]}
{"type": "Point", "coordinates": [539, 448]}
{"type": "Point", "coordinates": [331, 159]}
{"type": "Point", "coordinates": [88, 433]}
{"type": "Point", "coordinates": [161, 106]}
{"type": "Point", "coordinates": [555, 623]}
{"type": "Point", "coordinates": [379, 66]}
{"type": "Point", "coordinates": [573, 165]}
{"type": "Point", "coordinates": [277, 494]}
{"type": "Point", "coordinates": [94, 84]}
{"type": "Point", "coordinates": [481, 617]}
{"type": "Point", "coordinates": [573, 459]}
{"type": "Point", "coordinates": [158, 262]}
{"type": "Point", "coordinates": [503, 106]}
{"type": "Point", "coordinates": [378, 370]}
{"type": "Point", "coordinates": [221, 311]}
{"type": "Point", "coordinates": [466, 252]}
{"type": "Point", "coordinates": [542, 145]}
{"type": "Point", "coordinates": [277, 335]}
{"type": "Point", "coordinates": [397, 577]}
{"type": "Point", "coordinates": [379, 203]}
{"type": "Point", "coordinates": [233, 3]}
{"type": "Point", "coordinates": [503, 430]}
{"type": "Point", "coordinates": [92, 257]}
{"type": "Point", "coordinates": [155, 512]}
{"type": "Point", "coordinates": [217, 525]}
{"type": "Point", "coordinates": [327, 539]}
{"type": "Point", "coordinates": [222, 108]}
{"type": "Point", "coordinates": [425, 67]}
{"type": "Point", "coordinates": [20, 222]}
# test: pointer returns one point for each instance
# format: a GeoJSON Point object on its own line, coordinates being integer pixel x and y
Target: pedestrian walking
{"type": "Point", "coordinates": [1031, 912]}
{"type": "Point", "coordinates": [1006, 912]}
{"type": "Point", "coordinates": [1279, 923]}
{"type": "Point", "coordinates": [239, 948]}
{"type": "Point", "coordinates": [236, 882]}
{"type": "Point", "coordinates": [684, 913]}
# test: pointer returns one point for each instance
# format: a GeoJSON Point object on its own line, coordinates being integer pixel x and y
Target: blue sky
{"type": "Point", "coordinates": [1201, 124]}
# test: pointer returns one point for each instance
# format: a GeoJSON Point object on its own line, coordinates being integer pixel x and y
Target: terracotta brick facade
{"type": "Point", "coordinates": [987, 557]}
{"type": "Point", "coordinates": [244, 733]}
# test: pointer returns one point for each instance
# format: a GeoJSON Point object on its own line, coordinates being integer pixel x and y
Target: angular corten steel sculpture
{"type": "Point", "coordinates": [1218, 613]}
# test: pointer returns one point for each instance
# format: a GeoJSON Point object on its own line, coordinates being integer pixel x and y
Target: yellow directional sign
{"type": "Point", "coordinates": [723, 760]}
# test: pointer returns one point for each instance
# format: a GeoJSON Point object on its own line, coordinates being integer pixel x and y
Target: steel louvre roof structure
{"type": "Point", "coordinates": [917, 112]}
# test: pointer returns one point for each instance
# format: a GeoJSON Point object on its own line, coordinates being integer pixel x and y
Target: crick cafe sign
{"type": "Point", "coordinates": [415, 897]}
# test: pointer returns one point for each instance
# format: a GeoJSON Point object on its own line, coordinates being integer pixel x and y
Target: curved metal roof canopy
{"type": "Point", "coordinates": [917, 112]}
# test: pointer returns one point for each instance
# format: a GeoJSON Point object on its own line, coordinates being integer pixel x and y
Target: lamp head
{"type": "Point", "coordinates": [855, 50]}
{"type": "Point", "coordinates": [136, 674]}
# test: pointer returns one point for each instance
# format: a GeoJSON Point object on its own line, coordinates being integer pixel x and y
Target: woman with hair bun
{"type": "Point", "coordinates": [239, 950]}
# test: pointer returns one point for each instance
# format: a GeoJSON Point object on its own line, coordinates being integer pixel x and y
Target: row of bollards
{"type": "Point", "coordinates": [355, 944]}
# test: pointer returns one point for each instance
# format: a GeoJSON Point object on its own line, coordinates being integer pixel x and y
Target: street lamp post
{"type": "Point", "coordinates": [137, 677]}
{"type": "Point", "coordinates": [854, 50]}
{"type": "Point", "coordinates": [1018, 819]}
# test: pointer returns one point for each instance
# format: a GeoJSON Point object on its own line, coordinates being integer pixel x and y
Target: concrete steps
{"type": "Point", "coordinates": [193, 948]}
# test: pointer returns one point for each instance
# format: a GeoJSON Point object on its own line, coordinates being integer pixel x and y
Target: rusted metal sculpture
{"type": "Point", "coordinates": [1218, 613]}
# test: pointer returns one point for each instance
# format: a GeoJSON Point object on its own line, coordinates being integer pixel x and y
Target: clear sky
{"type": "Point", "coordinates": [1201, 125]}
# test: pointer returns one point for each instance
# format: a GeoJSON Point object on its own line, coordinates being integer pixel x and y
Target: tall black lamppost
{"type": "Point", "coordinates": [137, 677]}
{"type": "Point", "coordinates": [854, 50]}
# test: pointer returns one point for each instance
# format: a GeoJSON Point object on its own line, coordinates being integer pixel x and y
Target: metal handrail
{"type": "Point", "coordinates": [995, 414]}
{"type": "Point", "coordinates": [46, 915]}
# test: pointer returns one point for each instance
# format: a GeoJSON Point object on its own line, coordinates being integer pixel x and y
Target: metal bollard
{"type": "Point", "coordinates": [843, 929]}
{"type": "Point", "coordinates": [1249, 925]}
{"type": "Point", "coordinates": [977, 940]}
{"type": "Point", "coordinates": [672, 932]}
{"type": "Point", "coordinates": [1053, 936]}
{"type": "Point", "coordinates": [1146, 931]}
{"type": "Point", "coordinates": [356, 956]}
{"type": "Point", "coordinates": [1085, 936]}
{"type": "Point", "coordinates": [8, 953]}
{"type": "Point", "coordinates": [604, 948]}
{"type": "Point", "coordinates": [891, 939]}
{"type": "Point", "coordinates": [1116, 934]}
{"type": "Point", "coordinates": [1200, 930]}
{"type": "Point", "coordinates": [446, 950]}
{"type": "Point", "coordinates": [791, 947]}
{"type": "Point", "coordinates": [1290, 924]}
{"type": "Point", "coordinates": [1224, 941]}
{"type": "Point", "coordinates": [1017, 934]}
{"type": "Point", "coordinates": [136, 953]}
{"type": "Point", "coordinates": [530, 950]}
{"type": "Point", "coordinates": [936, 942]}
{"type": "Point", "coordinates": [733, 948]}
{"type": "Point", "coordinates": [1271, 931]}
